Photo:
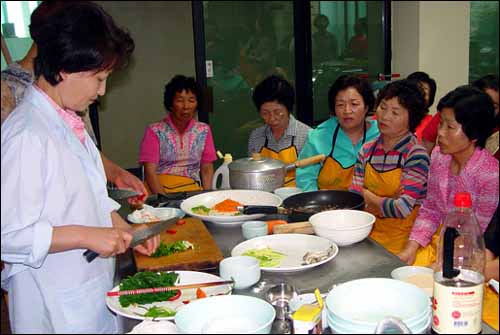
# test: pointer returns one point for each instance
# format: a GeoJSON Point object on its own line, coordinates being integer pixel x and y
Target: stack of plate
{"type": "Point", "coordinates": [356, 307]}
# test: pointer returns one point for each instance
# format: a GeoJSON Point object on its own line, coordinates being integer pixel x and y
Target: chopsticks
{"type": "Point", "coordinates": [167, 288]}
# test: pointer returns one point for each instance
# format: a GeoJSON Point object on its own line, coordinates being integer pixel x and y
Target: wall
{"type": "Point", "coordinates": [164, 46]}
{"type": "Point", "coordinates": [432, 36]}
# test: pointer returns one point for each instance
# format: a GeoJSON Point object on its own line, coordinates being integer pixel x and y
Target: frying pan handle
{"type": "Point", "coordinates": [258, 210]}
{"type": "Point", "coordinates": [310, 161]}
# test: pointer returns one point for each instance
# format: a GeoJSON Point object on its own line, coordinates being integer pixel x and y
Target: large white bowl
{"type": "Point", "coordinates": [245, 197]}
{"type": "Point", "coordinates": [343, 226]}
{"type": "Point", "coordinates": [376, 299]}
{"type": "Point", "coordinates": [235, 314]}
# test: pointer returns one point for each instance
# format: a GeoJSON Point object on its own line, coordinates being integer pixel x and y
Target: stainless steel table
{"type": "Point", "coordinates": [361, 260]}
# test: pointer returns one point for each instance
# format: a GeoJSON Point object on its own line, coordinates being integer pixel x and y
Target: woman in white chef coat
{"type": "Point", "coordinates": [54, 201]}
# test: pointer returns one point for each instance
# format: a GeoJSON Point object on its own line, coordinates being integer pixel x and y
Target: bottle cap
{"type": "Point", "coordinates": [462, 199]}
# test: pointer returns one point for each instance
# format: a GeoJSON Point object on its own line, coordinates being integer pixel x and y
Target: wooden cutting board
{"type": "Point", "coordinates": [294, 228]}
{"type": "Point", "coordinates": [206, 255]}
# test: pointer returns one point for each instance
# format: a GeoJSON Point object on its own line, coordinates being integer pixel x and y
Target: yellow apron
{"type": "Point", "coordinates": [172, 183]}
{"type": "Point", "coordinates": [287, 156]}
{"type": "Point", "coordinates": [490, 307]}
{"type": "Point", "coordinates": [391, 233]}
{"type": "Point", "coordinates": [333, 176]}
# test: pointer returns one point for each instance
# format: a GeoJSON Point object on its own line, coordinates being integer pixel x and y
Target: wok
{"type": "Point", "coordinates": [300, 207]}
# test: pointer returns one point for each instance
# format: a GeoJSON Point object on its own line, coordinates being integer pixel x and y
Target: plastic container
{"type": "Point", "coordinates": [223, 170]}
{"type": "Point", "coordinates": [459, 279]}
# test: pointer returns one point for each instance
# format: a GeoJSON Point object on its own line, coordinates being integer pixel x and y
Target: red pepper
{"type": "Point", "coordinates": [200, 294]}
{"type": "Point", "coordinates": [181, 222]}
{"type": "Point", "coordinates": [185, 302]}
{"type": "Point", "coordinates": [176, 296]}
{"type": "Point", "coordinates": [171, 231]}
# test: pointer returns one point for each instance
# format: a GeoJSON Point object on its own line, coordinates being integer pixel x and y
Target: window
{"type": "Point", "coordinates": [483, 47]}
{"type": "Point", "coordinates": [15, 27]}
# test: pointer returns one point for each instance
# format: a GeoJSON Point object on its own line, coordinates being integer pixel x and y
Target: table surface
{"type": "Point", "coordinates": [365, 259]}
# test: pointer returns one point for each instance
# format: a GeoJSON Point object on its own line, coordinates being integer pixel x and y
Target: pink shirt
{"type": "Point", "coordinates": [479, 177]}
{"type": "Point", "coordinates": [175, 153]}
{"type": "Point", "coordinates": [69, 116]}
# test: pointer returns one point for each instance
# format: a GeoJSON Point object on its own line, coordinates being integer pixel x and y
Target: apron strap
{"type": "Point", "coordinates": [334, 140]}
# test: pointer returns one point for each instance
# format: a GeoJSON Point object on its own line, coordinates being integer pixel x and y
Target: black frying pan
{"type": "Point", "coordinates": [300, 207]}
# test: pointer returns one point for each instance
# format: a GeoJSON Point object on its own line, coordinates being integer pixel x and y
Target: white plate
{"type": "Point", "coordinates": [185, 277]}
{"type": "Point", "coordinates": [294, 246]}
{"type": "Point", "coordinates": [245, 197]}
{"type": "Point", "coordinates": [162, 213]}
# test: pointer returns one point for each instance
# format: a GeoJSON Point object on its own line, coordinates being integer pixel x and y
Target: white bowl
{"type": "Point", "coordinates": [244, 270]}
{"type": "Point", "coordinates": [251, 229]}
{"type": "Point", "coordinates": [377, 298]}
{"type": "Point", "coordinates": [419, 276]}
{"type": "Point", "coordinates": [285, 192]}
{"type": "Point", "coordinates": [218, 314]}
{"type": "Point", "coordinates": [343, 226]}
{"type": "Point", "coordinates": [245, 197]}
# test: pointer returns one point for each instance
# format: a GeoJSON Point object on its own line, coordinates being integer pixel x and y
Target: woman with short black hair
{"type": "Point", "coordinates": [178, 151]}
{"type": "Point", "coordinates": [282, 136]}
{"type": "Point", "coordinates": [391, 171]}
{"type": "Point", "coordinates": [55, 203]}
{"type": "Point", "coordinates": [459, 163]}
{"type": "Point", "coordinates": [339, 138]}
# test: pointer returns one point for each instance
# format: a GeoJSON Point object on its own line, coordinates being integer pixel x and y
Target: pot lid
{"type": "Point", "coordinates": [256, 163]}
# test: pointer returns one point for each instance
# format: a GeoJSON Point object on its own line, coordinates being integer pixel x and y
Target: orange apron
{"type": "Point", "coordinates": [287, 156]}
{"type": "Point", "coordinates": [172, 183]}
{"type": "Point", "coordinates": [391, 233]}
{"type": "Point", "coordinates": [333, 176]}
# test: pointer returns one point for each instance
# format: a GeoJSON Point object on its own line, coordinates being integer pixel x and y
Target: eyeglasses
{"type": "Point", "coordinates": [276, 113]}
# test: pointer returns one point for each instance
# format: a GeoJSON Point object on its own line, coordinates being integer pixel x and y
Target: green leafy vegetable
{"type": "Point", "coordinates": [159, 312]}
{"type": "Point", "coordinates": [147, 279]}
{"type": "Point", "coordinates": [202, 210]}
{"type": "Point", "coordinates": [267, 257]}
{"type": "Point", "coordinates": [165, 249]}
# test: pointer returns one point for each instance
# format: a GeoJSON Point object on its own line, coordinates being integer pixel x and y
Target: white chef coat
{"type": "Point", "coordinates": [50, 179]}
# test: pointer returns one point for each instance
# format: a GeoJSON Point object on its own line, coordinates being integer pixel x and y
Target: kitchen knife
{"type": "Point", "coordinates": [119, 193]}
{"type": "Point", "coordinates": [139, 236]}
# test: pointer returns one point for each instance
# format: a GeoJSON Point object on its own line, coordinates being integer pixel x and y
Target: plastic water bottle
{"type": "Point", "coordinates": [223, 170]}
{"type": "Point", "coordinates": [459, 277]}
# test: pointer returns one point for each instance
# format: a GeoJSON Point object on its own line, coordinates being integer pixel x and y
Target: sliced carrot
{"type": "Point", "coordinates": [200, 293]}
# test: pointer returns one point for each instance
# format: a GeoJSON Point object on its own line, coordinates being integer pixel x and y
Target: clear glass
{"type": "Point", "coordinates": [15, 28]}
{"type": "Point", "coordinates": [483, 47]}
{"type": "Point", "coordinates": [246, 41]}
{"type": "Point", "coordinates": [346, 39]}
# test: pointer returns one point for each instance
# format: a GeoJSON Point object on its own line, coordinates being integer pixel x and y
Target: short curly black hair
{"type": "Point", "coordinates": [360, 84]}
{"type": "Point", "coordinates": [473, 110]}
{"type": "Point", "coordinates": [178, 84]}
{"type": "Point", "coordinates": [410, 96]}
{"type": "Point", "coordinates": [423, 77]}
{"type": "Point", "coordinates": [274, 88]}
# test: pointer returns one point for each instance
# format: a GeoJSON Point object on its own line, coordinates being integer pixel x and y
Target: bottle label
{"type": "Point", "coordinates": [457, 310]}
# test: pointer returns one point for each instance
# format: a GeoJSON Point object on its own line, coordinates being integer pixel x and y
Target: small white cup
{"type": "Point", "coordinates": [244, 270]}
{"type": "Point", "coordinates": [251, 229]}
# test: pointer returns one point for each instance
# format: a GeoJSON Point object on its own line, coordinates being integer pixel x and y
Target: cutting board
{"type": "Point", "coordinates": [206, 255]}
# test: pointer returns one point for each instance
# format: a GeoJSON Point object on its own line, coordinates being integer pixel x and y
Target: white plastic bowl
{"type": "Point", "coordinates": [231, 314]}
{"type": "Point", "coordinates": [377, 298]}
{"type": "Point", "coordinates": [343, 226]}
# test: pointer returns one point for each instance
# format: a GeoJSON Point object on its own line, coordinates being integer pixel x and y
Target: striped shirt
{"type": "Point", "coordinates": [479, 177]}
{"type": "Point", "coordinates": [408, 155]}
{"type": "Point", "coordinates": [296, 131]}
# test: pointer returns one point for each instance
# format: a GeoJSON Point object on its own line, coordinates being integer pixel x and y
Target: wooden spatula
{"type": "Point", "coordinates": [294, 228]}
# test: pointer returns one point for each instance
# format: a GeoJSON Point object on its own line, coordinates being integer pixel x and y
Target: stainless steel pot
{"type": "Point", "coordinates": [264, 174]}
